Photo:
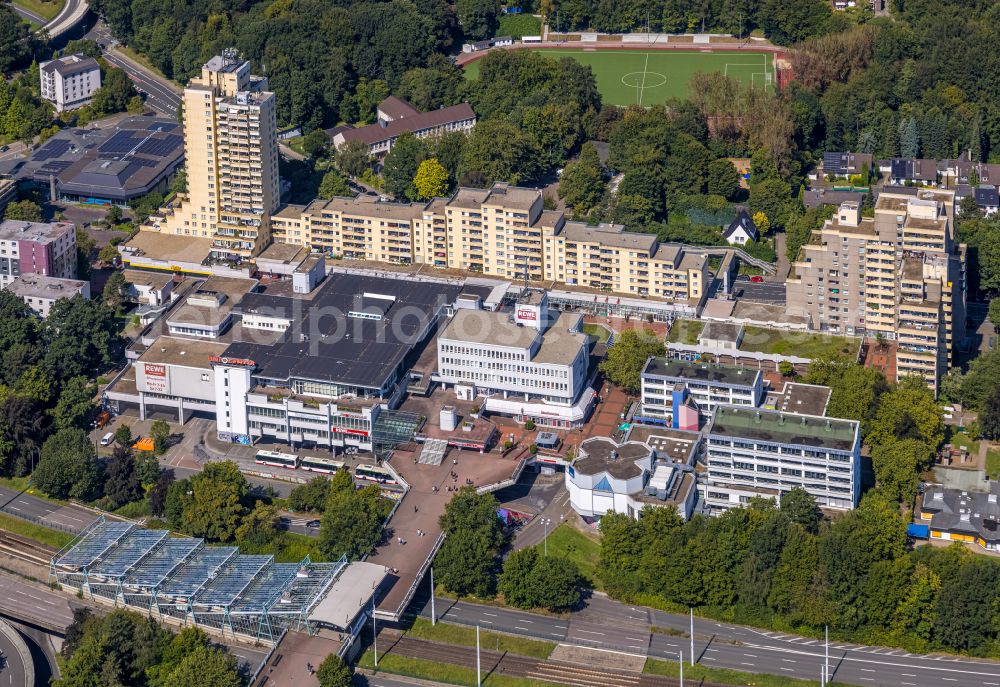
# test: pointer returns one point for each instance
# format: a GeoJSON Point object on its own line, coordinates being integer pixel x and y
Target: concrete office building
{"type": "Point", "coordinates": [668, 384]}
{"type": "Point", "coordinates": [40, 292]}
{"type": "Point", "coordinates": [526, 365]}
{"type": "Point", "coordinates": [26, 248]}
{"type": "Point", "coordinates": [898, 275]}
{"type": "Point", "coordinates": [231, 148]}
{"type": "Point", "coordinates": [328, 377]}
{"type": "Point", "coordinates": [503, 231]}
{"type": "Point", "coordinates": [69, 82]}
{"type": "Point", "coordinates": [763, 453]}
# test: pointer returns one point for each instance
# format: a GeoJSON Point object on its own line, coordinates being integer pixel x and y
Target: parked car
{"type": "Point", "coordinates": [757, 279]}
{"type": "Point", "coordinates": [107, 439]}
{"type": "Point", "coordinates": [312, 524]}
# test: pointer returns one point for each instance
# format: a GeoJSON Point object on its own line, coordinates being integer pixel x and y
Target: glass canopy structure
{"type": "Point", "coordinates": [184, 579]}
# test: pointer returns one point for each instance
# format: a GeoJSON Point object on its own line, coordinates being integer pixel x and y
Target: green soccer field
{"type": "Point", "coordinates": [649, 77]}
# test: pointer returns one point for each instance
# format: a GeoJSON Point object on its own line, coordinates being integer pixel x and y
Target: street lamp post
{"type": "Point", "coordinates": [545, 536]}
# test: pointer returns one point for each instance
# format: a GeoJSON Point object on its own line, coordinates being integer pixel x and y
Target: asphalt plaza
{"type": "Point", "coordinates": [650, 77]}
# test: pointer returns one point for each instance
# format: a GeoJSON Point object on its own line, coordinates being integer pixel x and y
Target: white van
{"type": "Point", "coordinates": [107, 438]}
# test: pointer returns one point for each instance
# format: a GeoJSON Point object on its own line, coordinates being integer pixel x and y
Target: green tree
{"type": "Point", "coordinates": [555, 582]}
{"type": "Point", "coordinates": [908, 413]}
{"type": "Point", "coordinates": [963, 615]}
{"type": "Point", "coordinates": [115, 93]}
{"type": "Point", "coordinates": [217, 502]}
{"type": "Point", "coordinates": [517, 161]}
{"type": "Point", "coordinates": [722, 178]}
{"type": "Point", "coordinates": [431, 180]}
{"type": "Point", "coordinates": [121, 480]}
{"type": "Point", "coordinates": [401, 165]}
{"type": "Point", "coordinates": [478, 18]}
{"type": "Point", "coordinates": [311, 496]}
{"type": "Point", "coordinates": [786, 23]}
{"type": "Point", "coordinates": [989, 417]}
{"type": "Point", "coordinates": [515, 580]}
{"type": "Point", "coordinates": [136, 105]}
{"type": "Point", "coordinates": [315, 144]}
{"type": "Point", "coordinates": [23, 210]}
{"type": "Point", "coordinates": [261, 526]}
{"type": "Point", "coordinates": [334, 672]}
{"type": "Point", "coordinates": [116, 289]}
{"type": "Point", "coordinates": [467, 559]}
{"type": "Point", "coordinates": [800, 507]}
{"type": "Point", "coordinates": [206, 666]}
{"type": "Point", "coordinates": [158, 492]}
{"type": "Point", "coordinates": [15, 42]}
{"type": "Point", "coordinates": [428, 88]}
{"type": "Point", "coordinates": [82, 339]}
{"type": "Point", "coordinates": [909, 138]}
{"type": "Point", "coordinates": [626, 360]}
{"type": "Point", "coordinates": [178, 494]}
{"type": "Point", "coordinates": [353, 519]}
{"type": "Point", "coordinates": [123, 435]}
{"type": "Point", "coordinates": [160, 432]}
{"type": "Point", "coordinates": [353, 158]}
{"type": "Point", "coordinates": [855, 389]}
{"type": "Point", "coordinates": [67, 466]}
{"type": "Point", "coordinates": [994, 313]}
{"type": "Point", "coordinates": [109, 256]}
{"type": "Point", "coordinates": [989, 262]}
{"type": "Point", "coordinates": [773, 197]}
{"type": "Point", "coordinates": [621, 549]}
{"type": "Point", "coordinates": [582, 182]}
{"type": "Point", "coordinates": [897, 465]}
{"type": "Point", "coordinates": [333, 184]}
{"type": "Point", "coordinates": [75, 406]}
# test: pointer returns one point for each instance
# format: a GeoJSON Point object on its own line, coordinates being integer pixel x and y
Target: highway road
{"type": "Point", "coordinates": [68, 517]}
{"type": "Point", "coordinates": [610, 625]}
{"type": "Point", "coordinates": [162, 95]}
{"type": "Point", "coordinates": [27, 14]}
{"type": "Point", "coordinates": [13, 670]}
{"type": "Point", "coordinates": [25, 601]}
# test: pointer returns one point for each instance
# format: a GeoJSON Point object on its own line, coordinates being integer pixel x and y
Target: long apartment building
{"type": "Point", "coordinates": [898, 275]}
{"type": "Point", "coordinates": [502, 231]}
{"type": "Point", "coordinates": [231, 152]}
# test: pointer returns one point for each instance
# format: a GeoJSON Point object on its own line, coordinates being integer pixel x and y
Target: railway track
{"type": "Point", "coordinates": [500, 663]}
{"type": "Point", "coordinates": [25, 549]}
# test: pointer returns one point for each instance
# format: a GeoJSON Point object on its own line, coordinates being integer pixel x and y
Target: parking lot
{"type": "Point", "coordinates": [759, 292]}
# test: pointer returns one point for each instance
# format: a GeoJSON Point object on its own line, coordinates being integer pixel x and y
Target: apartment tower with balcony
{"type": "Point", "coordinates": [231, 152]}
{"type": "Point", "coordinates": [897, 276]}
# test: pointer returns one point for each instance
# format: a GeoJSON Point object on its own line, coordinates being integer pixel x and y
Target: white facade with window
{"type": "Point", "coordinates": [763, 453]}
{"type": "Point", "coordinates": [69, 82]}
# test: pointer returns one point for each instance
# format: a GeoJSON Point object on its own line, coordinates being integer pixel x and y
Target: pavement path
{"type": "Point", "coordinates": [15, 664]}
{"type": "Point", "coordinates": [28, 14]}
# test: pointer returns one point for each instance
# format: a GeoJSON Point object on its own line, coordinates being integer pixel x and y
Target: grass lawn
{"type": "Point", "coordinates": [801, 344]}
{"type": "Point", "coordinates": [626, 77]}
{"type": "Point", "coordinates": [40, 7]}
{"type": "Point", "coordinates": [962, 440]}
{"type": "Point", "coordinates": [598, 331]}
{"type": "Point", "coordinates": [466, 636]}
{"type": "Point", "coordinates": [39, 533]}
{"type": "Point", "coordinates": [993, 463]}
{"type": "Point", "coordinates": [442, 672]}
{"type": "Point", "coordinates": [725, 676]}
{"type": "Point", "coordinates": [519, 25]}
{"type": "Point", "coordinates": [685, 332]}
{"type": "Point", "coordinates": [582, 549]}
{"type": "Point", "coordinates": [141, 59]}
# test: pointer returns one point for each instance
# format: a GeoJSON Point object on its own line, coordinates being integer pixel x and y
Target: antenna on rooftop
{"type": "Point", "coordinates": [230, 56]}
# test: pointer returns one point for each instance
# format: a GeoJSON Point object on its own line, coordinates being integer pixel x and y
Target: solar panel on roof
{"type": "Point", "coordinates": [159, 146]}
{"type": "Point", "coordinates": [162, 126]}
{"type": "Point", "coordinates": [121, 142]}
{"type": "Point", "coordinates": [54, 148]}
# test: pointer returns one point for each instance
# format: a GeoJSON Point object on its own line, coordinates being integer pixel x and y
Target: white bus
{"type": "Point", "coordinates": [319, 464]}
{"type": "Point", "coordinates": [373, 473]}
{"type": "Point", "coordinates": [276, 459]}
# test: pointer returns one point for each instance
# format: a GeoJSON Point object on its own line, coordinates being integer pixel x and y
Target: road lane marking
{"type": "Point", "coordinates": [788, 660]}
{"type": "Point", "coordinates": [790, 670]}
{"type": "Point", "coordinates": [591, 632]}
